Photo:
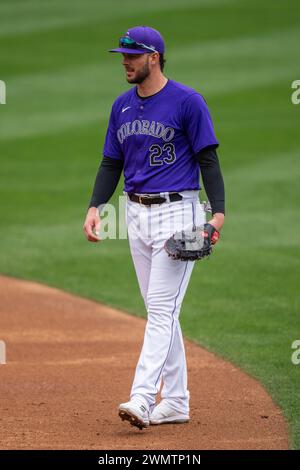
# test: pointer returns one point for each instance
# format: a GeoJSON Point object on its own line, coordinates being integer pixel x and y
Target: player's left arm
{"type": "Point", "coordinates": [213, 183]}
{"type": "Point", "coordinates": [198, 125]}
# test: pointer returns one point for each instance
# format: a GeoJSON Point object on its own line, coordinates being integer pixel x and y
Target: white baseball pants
{"type": "Point", "coordinates": [163, 283]}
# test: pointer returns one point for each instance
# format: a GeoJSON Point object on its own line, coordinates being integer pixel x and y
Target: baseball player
{"type": "Point", "coordinates": [161, 134]}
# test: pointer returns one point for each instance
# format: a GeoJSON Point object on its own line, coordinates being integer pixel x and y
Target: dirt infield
{"type": "Point", "coordinates": [70, 362]}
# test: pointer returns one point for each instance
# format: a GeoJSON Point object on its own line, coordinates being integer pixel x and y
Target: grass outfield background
{"type": "Point", "coordinates": [242, 56]}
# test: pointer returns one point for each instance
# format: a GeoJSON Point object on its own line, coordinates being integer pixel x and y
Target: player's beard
{"type": "Point", "coordinates": [140, 75]}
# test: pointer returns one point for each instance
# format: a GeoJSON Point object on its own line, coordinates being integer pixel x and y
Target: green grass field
{"type": "Point", "coordinates": [242, 56]}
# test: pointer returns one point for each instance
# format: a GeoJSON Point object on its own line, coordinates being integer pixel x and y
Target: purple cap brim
{"type": "Point", "coordinates": [129, 51]}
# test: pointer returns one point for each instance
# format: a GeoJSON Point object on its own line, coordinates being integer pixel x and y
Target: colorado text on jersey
{"type": "Point", "coordinates": [155, 129]}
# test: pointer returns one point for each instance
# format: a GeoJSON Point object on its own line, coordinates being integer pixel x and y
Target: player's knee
{"type": "Point", "coordinates": [160, 312]}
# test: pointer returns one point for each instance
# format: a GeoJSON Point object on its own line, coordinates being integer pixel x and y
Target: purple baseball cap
{"type": "Point", "coordinates": [141, 40]}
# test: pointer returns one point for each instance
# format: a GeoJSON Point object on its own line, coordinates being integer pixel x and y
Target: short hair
{"type": "Point", "coordinates": [162, 61]}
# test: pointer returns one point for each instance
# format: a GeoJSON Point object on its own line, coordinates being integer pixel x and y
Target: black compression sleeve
{"type": "Point", "coordinates": [212, 178]}
{"type": "Point", "coordinates": [107, 179]}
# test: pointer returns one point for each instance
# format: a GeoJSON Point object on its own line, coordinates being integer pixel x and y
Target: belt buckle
{"type": "Point", "coordinates": [145, 196]}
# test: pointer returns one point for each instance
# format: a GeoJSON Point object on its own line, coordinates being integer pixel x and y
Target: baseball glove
{"type": "Point", "coordinates": [193, 244]}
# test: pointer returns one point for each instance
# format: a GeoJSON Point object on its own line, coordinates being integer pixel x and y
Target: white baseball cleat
{"type": "Point", "coordinates": [165, 414]}
{"type": "Point", "coordinates": [136, 413]}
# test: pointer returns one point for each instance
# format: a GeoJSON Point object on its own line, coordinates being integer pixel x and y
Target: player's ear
{"type": "Point", "coordinates": [154, 56]}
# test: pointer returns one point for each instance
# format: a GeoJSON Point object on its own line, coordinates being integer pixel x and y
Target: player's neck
{"type": "Point", "coordinates": [151, 85]}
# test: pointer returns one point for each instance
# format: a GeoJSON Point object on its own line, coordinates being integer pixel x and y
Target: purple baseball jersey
{"type": "Point", "coordinates": [158, 137]}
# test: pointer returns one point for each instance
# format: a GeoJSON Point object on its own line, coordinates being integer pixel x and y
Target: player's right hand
{"type": "Point", "coordinates": [91, 225]}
